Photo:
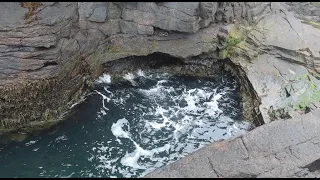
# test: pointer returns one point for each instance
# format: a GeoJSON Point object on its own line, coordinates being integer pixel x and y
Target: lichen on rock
{"type": "Point", "coordinates": [32, 6]}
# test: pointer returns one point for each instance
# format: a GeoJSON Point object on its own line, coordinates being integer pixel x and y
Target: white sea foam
{"type": "Point", "coordinates": [140, 73]}
{"type": "Point", "coordinates": [61, 138]}
{"type": "Point", "coordinates": [104, 97]}
{"type": "Point", "coordinates": [192, 120]}
{"type": "Point", "coordinates": [31, 142]}
{"type": "Point", "coordinates": [105, 78]}
{"type": "Point", "coordinates": [131, 159]}
{"type": "Point", "coordinates": [117, 130]}
{"type": "Point", "coordinates": [130, 77]}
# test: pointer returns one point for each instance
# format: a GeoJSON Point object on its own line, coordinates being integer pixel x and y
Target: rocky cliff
{"type": "Point", "coordinates": [50, 52]}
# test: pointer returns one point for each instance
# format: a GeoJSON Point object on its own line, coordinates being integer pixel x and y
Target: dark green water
{"type": "Point", "coordinates": [129, 129]}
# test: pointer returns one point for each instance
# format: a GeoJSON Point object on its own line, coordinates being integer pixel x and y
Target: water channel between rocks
{"type": "Point", "coordinates": [130, 128]}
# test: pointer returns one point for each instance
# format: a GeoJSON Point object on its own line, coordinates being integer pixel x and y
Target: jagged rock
{"type": "Point", "coordinates": [40, 41]}
{"type": "Point", "coordinates": [190, 8]}
{"type": "Point", "coordinates": [172, 16]}
{"type": "Point", "coordinates": [305, 10]}
{"type": "Point", "coordinates": [286, 148]}
{"type": "Point", "coordinates": [69, 48]}
{"type": "Point", "coordinates": [207, 13]}
{"type": "Point", "coordinates": [145, 29]}
{"type": "Point", "coordinates": [86, 9]}
{"type": "Point", "coordinates": [9, 19]}
{"type": "Point", "coordinates": [183, 20]}
{"type": "Point", "coordinates": [111, 27]}
{"type": "Point", "coordinates": [51, 15]}
{"type": "Point", "coordinates": [104, 31]}
{"type": "Point", "coordinates": [238, 10]}
{"type": "Point", "coordinates": [228, 14]}
{"type": "Point", "coordinates": [179, 46]}
{"type": "Point", "coordinates": [94, 37]}
{"type": "Point", "coordinates": [128, 5]}
{"type": "Point", "coordinates": [128, 27]}
{"type": "Point", "coordinates": [81, 38]}
{"type": "Point", "coordinates": [139, 17]}
{"type": "Point", "coordinates": [113, 11]}
{"type": "Point", "coordinates": [269, 77]}
{"type": "Point", "coordinates": [66, 31]}
{"type": "Point", "coordinates": [99, 14]}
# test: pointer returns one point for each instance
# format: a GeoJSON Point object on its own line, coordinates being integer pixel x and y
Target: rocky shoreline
{"type": "Point", "coordinates": [278, 149]}
{"type": "Point", "coordinates": [51, 53]}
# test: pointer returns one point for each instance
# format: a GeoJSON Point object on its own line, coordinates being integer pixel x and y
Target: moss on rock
{"type": "Point", "coordinates": [32, 6]}
{"type": "Point", "coordinates": [232, 41]}
{"type": "Point", "coordinates": [312, 95]}
{"type": "Point", "coordinates": [312, 23]}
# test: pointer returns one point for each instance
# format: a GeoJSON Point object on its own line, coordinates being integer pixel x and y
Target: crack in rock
{"type": "Point", "coordinates": [215, 171]}
{"type": "Point", "coordinates": [246, 148]}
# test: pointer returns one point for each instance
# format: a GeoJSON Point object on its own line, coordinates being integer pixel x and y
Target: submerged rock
{"type": "Point", "coordinates": [18, 137]}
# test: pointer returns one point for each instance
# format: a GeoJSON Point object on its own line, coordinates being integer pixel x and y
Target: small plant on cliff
{"type": "Point", "coordinates": [232, 40]}
{"type": "Point", "coordinates": [312, 23]}
{"type": "Point", "coordinates": [316, 4]}
{"type": "Point", "coordinates": [32, 6]}
{"type": "Point", "coordinates": [308, 97]}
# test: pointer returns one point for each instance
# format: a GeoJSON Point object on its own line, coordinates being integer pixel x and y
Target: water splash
{"type": "Point", "coordinates": [105, 78]}
{"type": "Point", "coordinates": [179, 120]}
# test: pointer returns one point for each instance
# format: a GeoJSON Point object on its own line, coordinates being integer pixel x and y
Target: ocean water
{"type": "Point", "coordinates": [130, 128]}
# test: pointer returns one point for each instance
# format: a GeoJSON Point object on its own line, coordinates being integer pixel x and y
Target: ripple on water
{"type": "Point", "coordinates": [131, 128]}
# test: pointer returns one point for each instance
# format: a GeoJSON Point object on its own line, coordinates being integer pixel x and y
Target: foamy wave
{"type": "Point", "coordinates": [105, 78]}
{"type": "Point", "coordinates": [140, 73]}
{"type": "Point", "coordinates": [131, 159]}
{"type": "Point", "coordinates": [104, 97]}
{"type": "Point", "coordinates": [179, 121]}
{"type": "Point", "coordinates": [117, 130]}
{"type": "Point", "coordinates": [130, 77]}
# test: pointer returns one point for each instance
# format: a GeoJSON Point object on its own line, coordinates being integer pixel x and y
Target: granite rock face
{"type": "Point", "coordinates": [278, 149]}
{"type": "Point", "coordinates": [44, 42]}
{"type": "Point", "coordinates": [37, 45]}
{"type": "Point", "coordinates": [51, 50]}
{"type": "Point", "coordinates": [280, 56]}
{"type": "Point", "coordinates": [34, 50]}
{"type": "Point", "coordinates": [278, 53]}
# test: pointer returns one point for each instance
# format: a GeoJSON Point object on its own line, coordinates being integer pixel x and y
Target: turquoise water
{"type": "Point", "coordinates": [130, 128]}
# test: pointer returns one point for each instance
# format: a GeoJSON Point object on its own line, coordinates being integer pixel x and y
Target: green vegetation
{"type": "Point", "coordinates": [312, 23]}
{"type": "Point", "coordinates": [316, 4]}
{"type": "Point", "coordinates": [224, 53]}
{"type": "Point", "coordinates": [32, 6]}
{"type": "Point", "coordinates": [310, 96]}
{"type": "Point", "coordinates": [232, 40]}
{"type": "Point", "coordinates": [153, 44]}
{"type": "Point", "coordinates": [47, 115]}
{"type": "Point", "coordinates": [113, 50]}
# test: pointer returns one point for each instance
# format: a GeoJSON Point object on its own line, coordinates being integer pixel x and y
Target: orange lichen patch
{"type": "Point", "coordinates": [32, 6]}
